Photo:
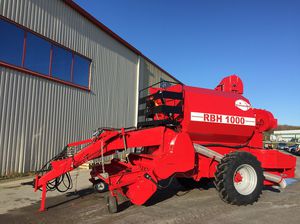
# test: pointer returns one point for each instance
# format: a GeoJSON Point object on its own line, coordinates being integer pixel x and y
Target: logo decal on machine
{"type": "Point", "coordinates": [222, 119]}
{"type": "Point", "coordinates": [243, 105]}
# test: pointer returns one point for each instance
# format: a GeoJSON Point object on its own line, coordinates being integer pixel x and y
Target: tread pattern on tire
{"type": "Point", "coordinates": [224, 178]}
{"type": "Point", "coordinates": [112, 204]}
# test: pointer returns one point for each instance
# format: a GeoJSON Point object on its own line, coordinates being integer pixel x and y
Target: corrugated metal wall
{"type": "Point", "coordinates": [151, 74]}
{"type": "Point", "coordinates": [39, 116]}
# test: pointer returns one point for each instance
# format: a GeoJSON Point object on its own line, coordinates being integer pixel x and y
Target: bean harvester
{"type": "Point", "coordinates": [186, 133]}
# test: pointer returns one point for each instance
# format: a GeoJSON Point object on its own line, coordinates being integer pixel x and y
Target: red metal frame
{"type": "Point", "coordinates": [72, 68]}
{"type": "Point", "coordinates": [50, 63]}
{"type": "Point", "coordinates": [47, 76]}
{"type": "Point", "coordinates": [169, 151]}
{"type": "Point", "coordinates": [24, 49]}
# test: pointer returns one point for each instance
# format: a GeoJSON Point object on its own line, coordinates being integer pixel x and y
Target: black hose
{"type": "Point", "coordinates": [65, 180]}
{"type": "Point", "coordinates": [168, 184]}
{"type": "Point", "coordinates": [46, 167]}
{"type": "Point", "coordinates": [67, 185]}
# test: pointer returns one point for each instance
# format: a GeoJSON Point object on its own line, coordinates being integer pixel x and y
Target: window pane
{"type": "Point", "coordinates": [11, 43]}
{"type": "Point", "coordinates": [37, 56]}
{"type": "Point", "coordinates": [61, 63]}
{"type": "Point", "coordinates": [81, 71]}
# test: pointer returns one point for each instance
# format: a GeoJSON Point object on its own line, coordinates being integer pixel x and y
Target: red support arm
{"type": "Point", "coordinates": [104, 144]}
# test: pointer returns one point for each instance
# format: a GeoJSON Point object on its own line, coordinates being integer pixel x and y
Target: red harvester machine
{"type": "Point", "coordinates": [188, 133]}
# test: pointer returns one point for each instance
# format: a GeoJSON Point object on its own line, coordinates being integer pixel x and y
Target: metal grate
{"type": "Point", "coordinates": [170, 107]}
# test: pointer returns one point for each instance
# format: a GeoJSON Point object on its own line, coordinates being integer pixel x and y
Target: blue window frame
{"type": "Point", "coordinates": [11, 43]}
{"type": "Point", "coordinates": [61, 63]}
{"type": "Point", "coordinates": [80, 69]}
{"type": "Point", "coordinates": [22, 49]}
{"type": "Point", "coordinates": [37, 54]}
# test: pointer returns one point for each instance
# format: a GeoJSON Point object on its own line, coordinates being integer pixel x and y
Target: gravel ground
{"type": "Point", "coordinates": [175, 205]}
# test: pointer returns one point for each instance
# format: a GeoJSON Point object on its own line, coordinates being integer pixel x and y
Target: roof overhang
{"type": "Point", "coordinates": [100, 25]}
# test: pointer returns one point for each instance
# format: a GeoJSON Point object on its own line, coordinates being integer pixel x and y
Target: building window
{"type": "Point", "coordinates": [61, 63]}
{"type": "Point", "coordinates": [81, 67]}
{"type": "Point", "coordinates": [23, 49]}
{"type": "Point", "coordinates": [37, 56]}
{"type": "Point", "coordinates": [11, 43]}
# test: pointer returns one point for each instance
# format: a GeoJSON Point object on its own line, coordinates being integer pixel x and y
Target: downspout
{"type": "Point", "coordinates": [137, 91]}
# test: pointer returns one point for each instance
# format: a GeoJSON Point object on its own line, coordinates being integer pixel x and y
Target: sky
{"type": "Point", "coordinates": [201, 41]}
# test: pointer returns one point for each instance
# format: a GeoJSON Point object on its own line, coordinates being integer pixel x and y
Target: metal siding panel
{"type": "Point", "coordinates": [38, 116]}
{"type": "Point", "coordinates": [150, 74]}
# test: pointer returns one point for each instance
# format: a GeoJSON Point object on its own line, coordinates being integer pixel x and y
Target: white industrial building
{"type": "Point", "coordinates": [287, 135]}
{"type": "Point", "coordinates": [63, 74]}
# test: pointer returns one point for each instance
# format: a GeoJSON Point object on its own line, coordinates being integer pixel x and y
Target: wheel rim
{"type": "Point", "coordinates": [245, 179]}
{"type": "Point", "coordinates": [100, 186]}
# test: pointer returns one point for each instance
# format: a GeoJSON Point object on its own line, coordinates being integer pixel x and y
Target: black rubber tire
{"type": "Point", "coordinates": [99, 190]}
{"type": "Point", "coordinates": [224, 178]}
{"type": "Point", "coordinates": [112, 204]}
